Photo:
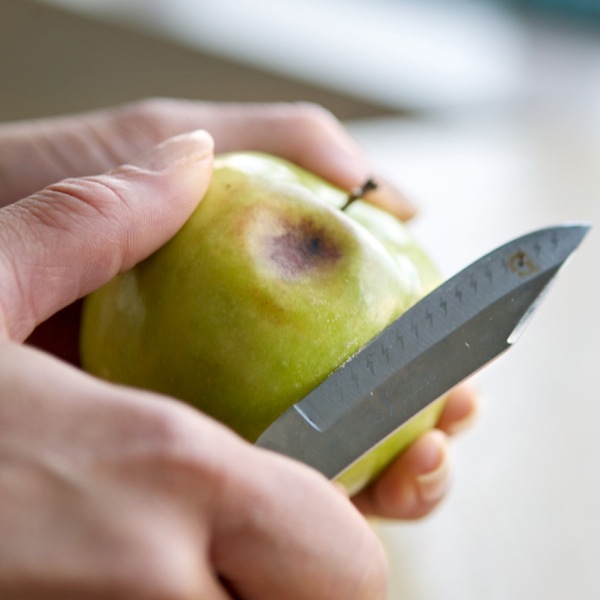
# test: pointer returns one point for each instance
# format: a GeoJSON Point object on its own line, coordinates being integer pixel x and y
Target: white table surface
{"type": "Point", "coordinates": [522, 518]}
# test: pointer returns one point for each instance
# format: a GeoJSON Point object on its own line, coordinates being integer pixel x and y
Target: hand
{"type": "Point", "coordinates": [305, 134]}
{"type": "Point", "coordinates": [36, 154]}
{"type": "Point", "coordinates": [107, 492]}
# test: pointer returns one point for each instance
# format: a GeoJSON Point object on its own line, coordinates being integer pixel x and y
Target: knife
{"type": "Point", "coordinates": [448, 335]}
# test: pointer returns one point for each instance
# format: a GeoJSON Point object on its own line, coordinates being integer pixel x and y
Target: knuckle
{"type": "Point", "coordinates": [166, 430]}
{"type": "Point", "coordinates": [149, 109]}
{"type": "Point", "coordinates": [312, 116]}
{"type": "Point", "coordinates": [173, 441]}
{"type": "Point", "coordinates": [147, 121]}
{"type": "Point", "coordinates": [69, 205]}
{"type": "Point", "coordinates": [73, 204]}
{"type": "Point", "coordinates": [300, 129]}
{"type": "Point", "coordinates": [301, 118]}
{"type": "Point", "coordinates": [162, 430]}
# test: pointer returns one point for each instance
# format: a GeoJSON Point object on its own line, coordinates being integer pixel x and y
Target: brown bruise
{"type": "Point", "coordinates": [304, 246]}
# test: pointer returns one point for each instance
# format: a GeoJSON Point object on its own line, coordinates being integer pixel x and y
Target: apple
{"type": "Point", "coordinates": [265, 290]}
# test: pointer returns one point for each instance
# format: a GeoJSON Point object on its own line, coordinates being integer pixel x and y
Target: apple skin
{"type": "Point", "coordinates": [265, 290]}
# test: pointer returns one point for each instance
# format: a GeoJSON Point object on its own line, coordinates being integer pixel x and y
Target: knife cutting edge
{"type": "Point", "coordinates": [448, 335]}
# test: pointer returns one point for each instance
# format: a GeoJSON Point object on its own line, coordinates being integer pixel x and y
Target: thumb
{"type": "Point", "coordinates": [73, 236]}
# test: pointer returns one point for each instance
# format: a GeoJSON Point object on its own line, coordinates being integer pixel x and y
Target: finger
{"type": "Point", "coordinates": [414, 484]}
{"type": "Point", "coordinates": [294, 536]}
{"type": "Point", "coordinates": [313, 138]}
{"type": "Point", "coordinates": [303, 133]}
{"type": "Point", "coordinates": [460, 410]}
{"type": "Point", "coordinates": [35, 154]}
{"type": "Point", "coordinates": [75, 235]}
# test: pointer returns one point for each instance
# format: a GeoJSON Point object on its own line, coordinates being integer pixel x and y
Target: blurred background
{"type": "Point", "coordinates": [396, 55]}
{"type": "Point", "coordinates": [487, 113]}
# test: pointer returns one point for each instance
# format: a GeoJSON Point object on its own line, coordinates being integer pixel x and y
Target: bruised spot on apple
{"type": "Point", "coordinates": [265, 290]}
{"type": "Point", "coordinates": [303, 246]}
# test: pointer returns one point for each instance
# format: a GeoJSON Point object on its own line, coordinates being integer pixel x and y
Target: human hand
{"type": "Point", "coordinates": [35, 154]}
{"type": "Point", "coordinates": [88, 144]}
{"type": "Point", "coordinates": [108, 492]}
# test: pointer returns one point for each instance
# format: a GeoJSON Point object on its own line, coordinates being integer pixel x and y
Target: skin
{"type": "Point", "coordinates": [146, 507]}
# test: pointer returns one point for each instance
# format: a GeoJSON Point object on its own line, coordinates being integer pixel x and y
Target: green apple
{"type": "Point", "coordinates": [265, 290]}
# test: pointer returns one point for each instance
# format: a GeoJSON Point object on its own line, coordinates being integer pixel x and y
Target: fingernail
{"type": "Point", "coordinates": [432, 485]}
{"type": "Point", "coordinates": [459, 426]}
{"type": "Point", "coordinates": [461, 410]}
{"type": "Point", "coordinates": [177, 151]}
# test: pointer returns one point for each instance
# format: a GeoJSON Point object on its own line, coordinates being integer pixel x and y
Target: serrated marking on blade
{"type": "Point", "coordinates": [455, 310]}
{"type": "Point", "coordinates": [429, 318]}
{"type": "Point", "coordinates": [370, 364]}
{"type": "Point", "coordinates": [473, 283]}
{"type": "Point", "coordinates": [415, 329]}
{"type": "Point", "coordinates": [400, 340]}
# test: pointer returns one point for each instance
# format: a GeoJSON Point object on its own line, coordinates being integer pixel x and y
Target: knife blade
{"type": "Point", "coordinates": [444, 338]}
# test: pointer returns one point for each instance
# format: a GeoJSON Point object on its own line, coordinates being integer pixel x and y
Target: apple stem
{"type": "Point", "coordinates": [358, 192]}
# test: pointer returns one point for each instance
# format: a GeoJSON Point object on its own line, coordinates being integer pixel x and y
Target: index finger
{"type": "Point", "coordinates": [75, 146]}
{"type": "Point", "coordinates": [304, 133]}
